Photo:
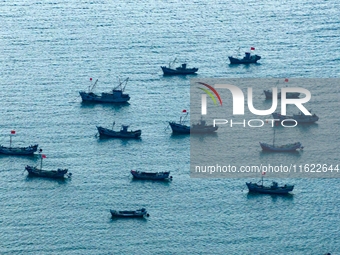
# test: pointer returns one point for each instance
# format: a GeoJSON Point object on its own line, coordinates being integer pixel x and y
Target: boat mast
{"type": "Point", "coordinates": [262, 174]}
{"type": "Point", "coordinates": [125, 83]}
{"type": "Point", "coordinates": [172, 63]}
{"type": "Point", "coordinates": [41, 158]}
{"type": "Point", "coordinates": [91, 88]}
{"type": "Point", "coordinates": [274, 137]}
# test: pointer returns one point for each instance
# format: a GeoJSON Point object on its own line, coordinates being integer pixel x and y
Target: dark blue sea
{"type": "Point", "coordinates": [49, 52]}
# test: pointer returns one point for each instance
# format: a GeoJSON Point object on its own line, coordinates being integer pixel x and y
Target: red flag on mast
{"type": "Point", "coordinates": [184, 111]}
{"type": "Point", "coordinates": [286, 80]}
{"type": "Point", "coordinates": [13, 132]}
{"type": "Point", "coordinates": [263, 173]}
{"type": "Point", "coordinates": [252, 48]}
{"type": "Point", "coordinates": [43, 155]}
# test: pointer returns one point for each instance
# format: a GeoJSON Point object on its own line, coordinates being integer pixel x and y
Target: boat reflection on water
{"type": "Point", "coordinates": [274, 197]}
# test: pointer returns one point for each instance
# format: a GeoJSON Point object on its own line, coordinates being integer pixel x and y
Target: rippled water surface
{"type": "Point", "coordinates": [50, 49]}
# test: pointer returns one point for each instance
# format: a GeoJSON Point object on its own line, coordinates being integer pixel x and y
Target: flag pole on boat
{"type": "Point", "coordinates": [10, 138]}
{"type": "Point", "coordinates": [42, 156]}
{"type": "Point", "coordinates": [263, 173]}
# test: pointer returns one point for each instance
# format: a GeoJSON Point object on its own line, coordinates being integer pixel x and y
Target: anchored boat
{"type": "Point", "coordinates": [269, 94]}
{"type": "Point", "coordinates": [29, 150]}
{"type": "Point", "coordinates": [151, 176]}
{"type": "Point", "coordinates": [181, 70]}
{"type": "Point", "coordinates": [299, 118]}
{"type": "Point", "coordinates": [115, 96]}
{"type": "Point", "coordinates": [54, 174]}
{"type": "Point", "coordinates": [281, 148]}
{"type": "Point", "coordinates": [199, 128]}
{"type": "Point", "coordinates": [247, 59]}
{"type": "Point", "coordinates": [122, 133]}
{"type": "Point", "coordinates": [140, 213]}
{"type": "Point", "coordinates": [274, 188]}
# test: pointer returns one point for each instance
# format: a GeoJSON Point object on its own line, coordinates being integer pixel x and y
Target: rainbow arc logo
{"type": "Point", "coordinates": [208, 92]}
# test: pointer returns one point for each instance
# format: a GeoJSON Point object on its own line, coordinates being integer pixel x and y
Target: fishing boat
{"type": "Point", "coordinates": [22, 151]}
{"type": "Point", "coordinates": [199, 128]}
{"type": "Point", "coordinates": [122, 133]}
{"type": "Point", "coordinates": [203, 128]}
{"type": "Point", "coordinates": [269, 94]}
{"type": "Point", "coordinates": [181, 70]}
{"type": "Point", "coordinates": [151, 176]}
{"type": "Point", "coordinates": [180, 127]}
{"type": "Point", "coordinates": [274, 188]}
{"type": "Point", "coordinates": [290, 147]}
{"type": "Point", "coordinates": [140, 213]}
{"type": "Point", "coordinates": [247, 59]}
{"type": "Point", "coordinates": [54, 174]}
{"type": "Point", "coordinates": [115, 96]}
{"type": "Point", "coordinates": [19, 150]}
{"type": "Point", "coordinates": [299, 118]}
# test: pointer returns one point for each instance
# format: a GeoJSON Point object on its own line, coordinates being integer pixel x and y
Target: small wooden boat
{"type": "Point", "coordinates": [272, 189]}
{"type": "Point", "coordinates": [123, 133]}
{"type": "Point", "coordinates": [182, 128]}
{"type": "Point", "coordinates": [151, 176]}
{"type": "Point", "coordinates": [19, 150]}
{"type": "Point", "coordinates": [54, 174]}
{"type": "Point", "coordinates": [299, 118]}
{"type": "Point", "coordinates": [269, 94]}
{"type": "Point", "coordinates": [29, 150]}
{"type": "Point", "coordinates": [281, 148]}
{"type": "Point", "coordinates": [129, 214]}
{"type": "Point", "coordinates": [247, 59]}
{"type": "Point", "coordinates": [202, 128]}
{"type": "Point", "coordinates": [115, 96]}
{"type": "Point", "coordinates": [181, 70]}
{"type": "Point", "coordinates": [179, 128]}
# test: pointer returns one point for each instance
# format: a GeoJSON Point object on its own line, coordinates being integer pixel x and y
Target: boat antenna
{"type": "Point", "coordinates": [113, 124]}
{"type": "Point", "coordinates": [274, 137]}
